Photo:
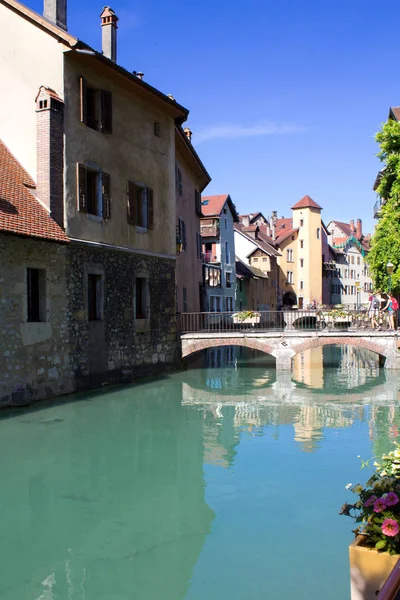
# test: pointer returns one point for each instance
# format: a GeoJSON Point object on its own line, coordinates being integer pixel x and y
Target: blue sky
{"type": "Point", "coordinates": [284, 98]}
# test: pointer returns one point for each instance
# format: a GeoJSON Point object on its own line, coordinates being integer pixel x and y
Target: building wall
{"type": "Point", "coordinates": [132, 152]}
{"type": "Point", "coordinates": [188, 264]}
{"type": "Point", "coordinates": [264, 294]}
{"type": "Point", "coordinates": [35, 358]}
{"type": "Point", "coordinates": [29, 58]}
{"type": "Point", "coordinates": [311, 253]}
{"type": "Point", "coordinates": [285, 265]}
{"type": "Point", "coordinates": [351, 267]}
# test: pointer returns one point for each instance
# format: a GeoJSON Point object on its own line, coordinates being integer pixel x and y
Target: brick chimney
{"type": "Point", "coordinates": [359, 229]}
{"type": "Point", "coordinates": [353, 229]}
{"type": "Point", "coordinates": [109, 33]}
{"type": "Point", "coordinates": [274, 217]}
{"type": "Point", "coordinates": [55, 11]}
{"type": "Point", "coordinates": [50, 152]}
{"type": "Point", "coordinates": [188, 133]}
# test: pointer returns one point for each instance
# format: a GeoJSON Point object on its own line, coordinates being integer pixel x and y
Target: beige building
{"type": "Point", "coordinates": [99, 143]}
{"type": "Point", "coordinates": [191, 179]}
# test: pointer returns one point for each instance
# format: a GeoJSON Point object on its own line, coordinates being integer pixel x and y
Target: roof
{"type": "Point", "coordinates": [253, 216]}
{"type": "Point", "coordinates": [84, 53]}
{"type": "Point", "coordinates": [394, 113]}
{"type": "Point", "coordinates": [345, 227]}
{"type": "Point", "coordinates": [21, 212]}
{"type": "Point", "coordinates": [262, 243]}
{"type": "Point", "coordinates": [211, 206]}
{"type": "Point", "coordinates": [244, 270]}
{"type": "Point", "coordinates": [306, 202]}
{"type": "Point", "coordinates": [185, 147]}
{"type": "Point", "coordinates": [284, 234]}
{"type": "Point", "coordinates": [283, 224]}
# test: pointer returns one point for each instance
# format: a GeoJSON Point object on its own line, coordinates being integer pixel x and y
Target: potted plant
{"type": "Point", "coordinates": [247, 317]}
{"type": "Point", "coordinates": [376, 549]}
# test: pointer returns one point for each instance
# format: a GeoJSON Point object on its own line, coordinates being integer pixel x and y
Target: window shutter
{"type": "Point", "coordinates": [81, 187]}
{"type": "Point", "coordinates": [106, 111]}
{"type": "Point", "coordinates": [150, 209]}
{"type": "Point", "coordinates": [106, 195]}
{"type": "Point", "coordinates": [184, 235]}
{"type": "Point", "coordinates": [131, 197]}
{"type": "Point", "coordinates": [197, 200]}
{"type": "Point", "coordinates": [83, 92]}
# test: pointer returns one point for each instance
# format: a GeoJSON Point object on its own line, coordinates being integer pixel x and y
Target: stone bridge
{"type": "Point", "coordinates": [284, 345]}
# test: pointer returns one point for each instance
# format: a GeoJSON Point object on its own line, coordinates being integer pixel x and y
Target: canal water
{"type": "Point", "coordinates": [222, 482]}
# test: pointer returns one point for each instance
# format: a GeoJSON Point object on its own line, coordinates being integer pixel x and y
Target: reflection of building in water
{"type": "Point", "coordinates": [329, 365]}
{"type": "Point", "coordinates": [223, 358]}
{"type": "Point", "coordinates": [308, 367]}
{"type": "Point", "coordinates": [384, 427]}
{"type": "Point", "coordinates": [311, 420]}
{"type": "Point", "coordinates": [220, 435]}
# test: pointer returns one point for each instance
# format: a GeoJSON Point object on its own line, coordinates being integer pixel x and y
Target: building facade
{"type": "Point", "coordinates": [190, 181]}
{"type": "Point", "coordinates": [218, 247]}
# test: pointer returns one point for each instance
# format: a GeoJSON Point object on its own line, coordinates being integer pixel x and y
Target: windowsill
{"type": "Point", "coordinates": [140, 229]}
{"type": "Point", "coordinates": [96, 218]}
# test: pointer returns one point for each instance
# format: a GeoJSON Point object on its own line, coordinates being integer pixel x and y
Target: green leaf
{"type": "Point", "coordinates": [381, 544]}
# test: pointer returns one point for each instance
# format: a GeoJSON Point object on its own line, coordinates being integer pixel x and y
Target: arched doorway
{"type": "Point", "coordinates": [289, 300]}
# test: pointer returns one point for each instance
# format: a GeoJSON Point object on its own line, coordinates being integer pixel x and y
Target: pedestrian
{"type": "Point", "coordinates": [391, 306]}
{"type": "Point", "coordinates": [374, 307]}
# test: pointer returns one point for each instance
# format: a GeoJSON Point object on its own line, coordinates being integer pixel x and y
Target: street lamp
{"type": "Point", "coordinates": [390, 269]}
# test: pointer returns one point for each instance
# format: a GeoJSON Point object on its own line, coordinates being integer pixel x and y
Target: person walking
{"type": "Point", "coordinates": [391, 306]}
{"type": "Point", "coordinates": [373, 309]}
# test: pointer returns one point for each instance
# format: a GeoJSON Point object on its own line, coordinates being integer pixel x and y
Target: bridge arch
{"type": "Point", "coordinates": [317, 342]}
{"type": "Point", "coordinates": [192, 346]}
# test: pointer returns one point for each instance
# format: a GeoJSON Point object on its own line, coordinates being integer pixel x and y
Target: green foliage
{"type": "Point", "coordinates": [246, 314]}
{"type": "Point", "coordinates": [377, 509]}
{"type": "Point", "coordinates": [385, 243]}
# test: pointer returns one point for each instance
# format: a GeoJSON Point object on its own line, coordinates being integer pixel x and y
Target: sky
{"type": "Point", "coordinates": [284, 97]}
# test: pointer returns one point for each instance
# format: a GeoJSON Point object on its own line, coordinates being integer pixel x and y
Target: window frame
{"type": "Point", "coordinates": [36, 307]}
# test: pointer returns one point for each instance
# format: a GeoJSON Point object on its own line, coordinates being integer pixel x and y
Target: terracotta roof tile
{"type": "Point", "coordinates": [212, 206]}
{"type": "Point", "coordinates": [283, 224]}
{"type": "Point", "coordinates": [20, 211]}
{"type": "Point", "coordinates": [284, 233]}
{"type": "Point", "coordinates": [306, 202]}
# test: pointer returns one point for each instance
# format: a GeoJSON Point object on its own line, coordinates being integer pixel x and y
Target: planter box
{"type": "Point", "coordinates": [369, 570]}
{"type": "Point", "coordinates": [248, 321]}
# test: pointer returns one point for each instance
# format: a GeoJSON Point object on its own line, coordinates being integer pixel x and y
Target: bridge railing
{"type": "Point", "coordinates": [275, 320]}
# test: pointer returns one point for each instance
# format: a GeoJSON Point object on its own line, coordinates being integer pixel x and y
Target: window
{"type": "Point", "coordinates": [197, 202]}
{"type": "Point", "coordinates": [226, 224]}
{"type": "Point", "coordinates": [215, 303]}
{"type": "Point", "coordinates": [184, 298]}
{"type": "Point", "coordinates": [240, 285]}
{"type": "Point", "coordinates": [140, 205]}
{"type": "Point", "coordinates": [198, 245]}
{"type": "Point", "coordinates": [346, 289]}
{"type": "Point", "coordinates": [95, 297]}
{"type": "Point", "coordinates": [182, 239]}
{"type": "Point", "coordinates": [301, 222]}
{"type": "Point", "coordinates": [265, 259]}
{"type": "Point", "coordinates": [178, 181]}
{"type": "Point", "coordinates": [318, 233]}
{"type": "Point", "coordinates": [301, 243]}
{"type": "Point", "coordinates": [212, 276]}
{"type": "Point", "coordinates": [346, 273]}
{"type": "Point", "coordinates": [255, 259]}
{"type": "Point", "coordinates": [290, 277]}
{"type": "Point", "coordinates": [96, 107]}
{"type": "Point", "coordinates": [302, 285]}
{"type": "Point", "coordinates": [352, 260]}
{"type": "Point", "coordinates": [227, 254]}
{"type": "Point", "coordinates": [36, 295]}
{"type": "Point", "coordinates": [290, 255]}
{"type": "Point", "coordinates": [141, 298]}
{"type": "Point", "coordinates": [229, 304]}
{"type": "Point", "coordinates": [302, 262]}
{"type": "Point", "coordinates": [228, 280]}
{"type": "Point", "coordinates": [94, 191]}
{"type": "Point", "coordinates": [157, 129]}
{"type": "Point", "coordinates": [358, 260]}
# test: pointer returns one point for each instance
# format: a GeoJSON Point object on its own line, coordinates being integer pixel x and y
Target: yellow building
{"type": "Point", "coordinates": [299, 240]}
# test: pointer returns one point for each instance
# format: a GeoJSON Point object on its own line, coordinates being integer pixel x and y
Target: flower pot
{"type": "Point", "coordinates": [248, 321]}
{"type": "Point", "coordinates": [369, 569]}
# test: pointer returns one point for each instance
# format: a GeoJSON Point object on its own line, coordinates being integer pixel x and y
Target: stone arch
{"type": "Point", "coordinates": [191, 346]}
{"type": "Point", "coordinates": [316, 342]}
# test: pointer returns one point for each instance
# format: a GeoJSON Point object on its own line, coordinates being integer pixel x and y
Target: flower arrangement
{"type": "Point", "coordinates": [246, 314]}
{"type": "Point", "coordinates": [377, 509]}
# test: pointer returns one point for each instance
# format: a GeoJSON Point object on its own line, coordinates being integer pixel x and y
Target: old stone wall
{"type": "Point", "coordinates": [34, 357]}
{"type": "Point", "coordinates": [120, 347]}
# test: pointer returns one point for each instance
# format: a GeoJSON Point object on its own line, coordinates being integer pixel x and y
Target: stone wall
{"type": "Point", "coordinates": [119, 347]}
{"type": "Point", "coordinates": [67, 352]}
{"type": "Point", "coordinates": [34, 357]}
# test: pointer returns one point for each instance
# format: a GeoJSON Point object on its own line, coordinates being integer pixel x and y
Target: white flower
{"type": "Point", "coordinates": [357, 489]}
{"type": "Point", "coordinates": [348, 486]}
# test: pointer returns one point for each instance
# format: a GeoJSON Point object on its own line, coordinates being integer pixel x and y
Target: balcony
{"type": "Point", "coordinates": [377, 207]}
{"type": "Point", "coordinates": [209, 257]}
{"type": "Point", "coordinates": [209, 228]}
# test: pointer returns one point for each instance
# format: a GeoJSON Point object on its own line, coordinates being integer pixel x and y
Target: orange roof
{"type": "Point", "coordinates": [283, 224]}
{"type": "Point", "coordinates": [20, 212]}
{"type": "Point", "coordinates": [306, 202]}
{"type": "Point", "coordinates": [283, 234]}
{"type": "Point", "coordinates": [211, 206]}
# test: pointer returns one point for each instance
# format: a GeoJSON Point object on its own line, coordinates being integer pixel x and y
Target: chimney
{"type": "Point", "coordinates": [50, 152]}
{"type": "Point", "coordinates": [109, 33]}
{"type": "Point", "coordinates": [55, 11]}
{"type": "Point", "coordinates": [274, 216]}
{"type": "Point", "coordinates": [359, 229]}
{"type": "Point", "coordinates": [353, 229]}
{"type": "Point", "coordinates": [188, 133]}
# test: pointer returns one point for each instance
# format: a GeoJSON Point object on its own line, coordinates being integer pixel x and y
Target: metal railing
{"type": "Point", "coordinates": [391, 589]}
{"type": "Point", "coordinates": [290, 320]}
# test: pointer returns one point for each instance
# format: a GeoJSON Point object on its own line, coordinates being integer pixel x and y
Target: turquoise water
{"type": "Point", "coordinates": [218, 483]}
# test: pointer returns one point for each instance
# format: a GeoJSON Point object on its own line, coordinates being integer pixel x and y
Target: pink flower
{"type": "Point", "coordinates": [391, 499]}
{"type": "Point", "coordinates": [379, 505]}
{"type": "Point", "coordinates": [370, 501]}
{"type": "Point", "coordinates": [390, 527]}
